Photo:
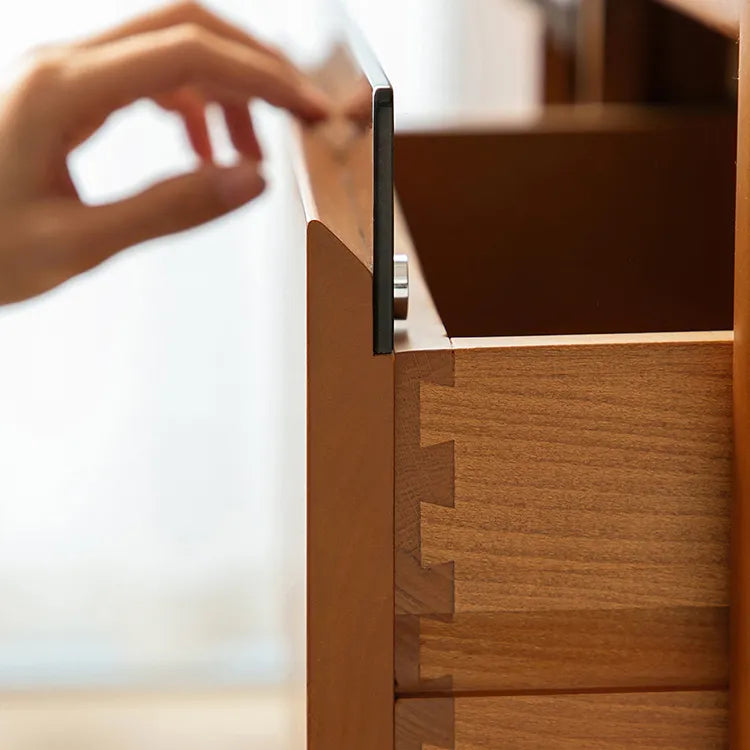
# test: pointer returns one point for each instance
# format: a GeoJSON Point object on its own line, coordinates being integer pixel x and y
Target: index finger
{"type": "Point", "coordinates": [118, 73]}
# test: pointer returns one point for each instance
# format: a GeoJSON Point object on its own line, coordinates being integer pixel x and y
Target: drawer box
{"type": "Point", "coordinates": [648, 721]}
{"type": "Point", "coordinates": [533, 489]}
{"type": "Point", "coordinates": [583, 543]}
{"type": "Point", "coordinates": [563, 478]}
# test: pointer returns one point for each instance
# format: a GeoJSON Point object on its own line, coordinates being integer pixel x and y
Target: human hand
{"type": "Point", "coordinates": [182, 57]}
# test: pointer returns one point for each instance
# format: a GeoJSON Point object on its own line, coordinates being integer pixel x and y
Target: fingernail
{"type": "Point", "coordinates": [239, 184]}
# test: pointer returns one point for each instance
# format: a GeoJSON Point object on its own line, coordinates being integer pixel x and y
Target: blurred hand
{"type": "Point", "coordinates": [182, 57]}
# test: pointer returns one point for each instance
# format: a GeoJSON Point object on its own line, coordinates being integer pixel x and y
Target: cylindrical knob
{"type": "Point", "coordinates": [400, 287]}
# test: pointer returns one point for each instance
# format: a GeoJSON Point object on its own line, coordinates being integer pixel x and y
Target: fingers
{"type": "Point", "coordinates": [239, 123]}
{"type": "Point", "coordinates": [241, 131]}
{"type": "Point", "coordinates": [186, 12]}
{"type": "Point", "coordinates": [196, 126]}
{"type": "Point", "coordinates": [192, 107]}
{"type": "Point", "coordinates": [166, 208]}
{"type": "Point", "coordinates": [150, 64]}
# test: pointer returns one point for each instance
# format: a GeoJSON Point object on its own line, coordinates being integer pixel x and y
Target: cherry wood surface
{"type": "Point", "coordinates": [350, 466]}
{"type": "Point", "coordinates": [562, 502]}
{"type": "Point", "coordinates": [627, 721]}
{"type": "Point", "coordinates": [562, 514]}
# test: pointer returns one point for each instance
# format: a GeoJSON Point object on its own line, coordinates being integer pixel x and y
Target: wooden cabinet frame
{"type": "Point", "coordinates": [358, 536]}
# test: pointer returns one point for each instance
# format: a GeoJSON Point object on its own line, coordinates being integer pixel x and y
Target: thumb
{"type": "Point", "coordinates": [166, 208]}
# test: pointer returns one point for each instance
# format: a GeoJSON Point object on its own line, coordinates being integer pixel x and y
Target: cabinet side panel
{"type": "Point", "coordinates": [350, 507]}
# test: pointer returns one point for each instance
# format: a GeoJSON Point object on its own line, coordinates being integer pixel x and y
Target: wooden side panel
{"type": "Point", "coordinates": [350, 507]}
{"type": "Point", "coordinates": [589, 530]}
{"type": "Point", "coordinates": [636, 721]}
{"type": "Point", "coordinates": [740, 680]}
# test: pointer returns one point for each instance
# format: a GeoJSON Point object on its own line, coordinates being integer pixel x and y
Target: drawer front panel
{"type": "Point", "coordinates": [563, 517]}
{"type": "Point", "coordinates": [636, 721]}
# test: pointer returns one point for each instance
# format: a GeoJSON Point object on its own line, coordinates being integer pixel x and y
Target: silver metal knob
{"type": "Point", "coordinates": [400, 287]}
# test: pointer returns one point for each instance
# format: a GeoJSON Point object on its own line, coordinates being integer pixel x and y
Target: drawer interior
{"type": "Point", "coordinates": [615, 221]}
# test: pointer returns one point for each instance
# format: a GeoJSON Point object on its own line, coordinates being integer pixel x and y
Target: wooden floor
{"type": "Point", "coordinates": [130, 721]}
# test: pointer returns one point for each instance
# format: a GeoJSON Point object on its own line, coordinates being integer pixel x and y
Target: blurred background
{"type": "Point", "coordinates": [152, 414]}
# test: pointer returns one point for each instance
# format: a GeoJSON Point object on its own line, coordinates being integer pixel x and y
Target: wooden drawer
{"type": "Point", "coordinates": [559, 540]}
{"type": "Point", "coordinates": [562, 501]}
{"type": "Point", "coordinates": [533, 489]}
{"type": "Point", "coordinates": [648, 721]}
{"type": "Point", "coordinates": [583, 540]}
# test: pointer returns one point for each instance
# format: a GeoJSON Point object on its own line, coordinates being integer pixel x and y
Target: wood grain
{"type": "Point", "coordinates": [424, 473]}
{"type": "Point", "coordinates": [425, 723]}
{"type": "Point", "coordinates": [641, 721]}
{"type": "Point", "coordinates": [580, 649]}
{"type": "Point", "coordinates": [589, 529]}
{"type": "Point", "coordinates": [424, 476]}
{"type": "Point", "coordinates": [349, 508]}
{"type": "Point", "coordinates": [740, 678]}
{"type": "Point", "coordinates": [333, 165]}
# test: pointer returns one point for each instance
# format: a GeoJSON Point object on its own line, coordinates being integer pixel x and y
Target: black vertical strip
{"type": "Point", "coordinates": [382, 213]}
{"type": "Point", "coordinates": [382, 189]}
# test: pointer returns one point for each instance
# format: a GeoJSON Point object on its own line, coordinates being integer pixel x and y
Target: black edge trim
{"type": "Point", "coordinates": [382, 209]}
